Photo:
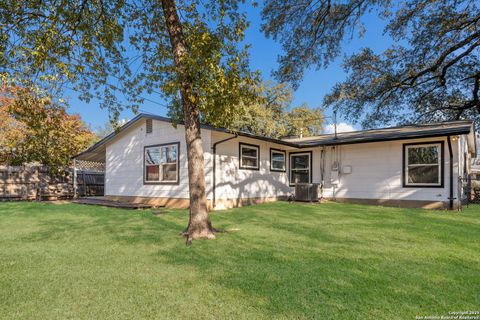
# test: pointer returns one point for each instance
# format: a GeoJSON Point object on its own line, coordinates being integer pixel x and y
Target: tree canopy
{"type": "Point", "coordinates": [188, 52]}
{"type": "Point", "coordinates": [35, 128]}
{"type": "Point", "coordinates": [430, 73]}
{"type": "Point", "coordinates": [121, 49]}
{"type": "Point", "coordinates": [109, 127]}
{"type": "Point", "coordinates": [272, 114]}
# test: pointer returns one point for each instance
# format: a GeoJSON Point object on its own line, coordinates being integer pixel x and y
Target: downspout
{"type": "Point", "coordinates": [451, 198]}
{"type": "Point", "coordinates": [214, 182]}
{"type": "Point", "coordinates": [322, 171]}
{"type": "Point", "coordinates": [75, 189]}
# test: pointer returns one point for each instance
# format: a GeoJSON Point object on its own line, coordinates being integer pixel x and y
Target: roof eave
{"type": "Point", "coordinates": [465, 129]}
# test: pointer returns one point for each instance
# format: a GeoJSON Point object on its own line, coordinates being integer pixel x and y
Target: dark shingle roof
{"type": "Point", "coordinates": [388, 134]}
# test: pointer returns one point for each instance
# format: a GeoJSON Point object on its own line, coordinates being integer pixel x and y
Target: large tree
{"type": "Point", "coordinates": [430, 73]}
{"type": "Point", "coordinates": [272, 114]}
{"type": "Point", "coordinates": [187, 52]}
{"type": "Point", "coordinates": [36, 128]}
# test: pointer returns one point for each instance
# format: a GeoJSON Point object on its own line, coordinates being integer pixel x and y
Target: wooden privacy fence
{"type": "Point", "coordinates": [34, 182]}
{"type": "Point", "coordinates": [90, 183]}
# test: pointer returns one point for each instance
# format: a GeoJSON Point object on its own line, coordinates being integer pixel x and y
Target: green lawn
{"type": "Point", "coordinates": [278, 260]}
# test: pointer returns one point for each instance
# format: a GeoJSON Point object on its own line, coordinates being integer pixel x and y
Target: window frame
{"type": "Point", "coordinates": [254, 146]}
{"type": "Point", "coordinates": [145, 182]}
{"type": "Point", "coordinates": [272, 169]}
{"type": "Point", "coordinates": [310, 164]}
{"type": "Point", "coordinates": [441, 164]}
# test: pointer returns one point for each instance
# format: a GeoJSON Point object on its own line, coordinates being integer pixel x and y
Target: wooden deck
{"type": "Point", "coordinates": [98, 201]}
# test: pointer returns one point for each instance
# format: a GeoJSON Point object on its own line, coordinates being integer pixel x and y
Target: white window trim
{"type": "Point", "coordinates": [292, 169]}
{"type": "Point", "coordinates": [160, 165]}
{"type": "Point", "coordinates": [438, 164]}
{"type": "Point", "coordinates": [249, 146]}
{"type": "Point", "coordinates": [283, 153]}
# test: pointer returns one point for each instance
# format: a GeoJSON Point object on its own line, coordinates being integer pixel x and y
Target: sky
{"type": "Point", "coordinates": [263, 56]}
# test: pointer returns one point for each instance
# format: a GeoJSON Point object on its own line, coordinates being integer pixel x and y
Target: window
{"type": "Point", "coordinates": [161, 163]}
{"type": "Point", "coordinates": [249, 156]}
{"type": "Point", "coordinates": [300, 167]}
{"type": "Point", "coordinates": [277, 160]}
{"type": "Point", "coordinates": [423, 165]}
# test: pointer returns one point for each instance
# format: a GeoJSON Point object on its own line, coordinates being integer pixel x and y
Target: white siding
{"type": "Point", "coordinates": [124, 167]}
{"type": "Point", "coordinates": [235, 183]}
{"type": "Point", "coordinates": [463, 163]}
{"type": "Point", "coordinates": [377, 172]}
{"type": "Point", "coordinates": [376, 168]}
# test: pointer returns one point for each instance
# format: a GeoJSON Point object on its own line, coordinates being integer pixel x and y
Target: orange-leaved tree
{"type": "Point", "coordinates": [36, 128]}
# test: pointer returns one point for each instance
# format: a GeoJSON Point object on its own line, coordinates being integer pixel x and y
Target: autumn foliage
{"type": "Point", "coordinates": [34, 128]}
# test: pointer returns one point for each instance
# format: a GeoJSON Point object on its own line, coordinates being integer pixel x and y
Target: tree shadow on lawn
{"type": "Point", "coordinates": [329, 268]}
{"type": "Point", "coordinates": [130, 226]}
{"type": "Point", "coordinates": [307, 261]}
{"type": "Point", "coordinates": [297, 281]}
{"type": "Point", "coordinates": [307, 220]}
{"type": "Point", "coordinates": [301, 220]}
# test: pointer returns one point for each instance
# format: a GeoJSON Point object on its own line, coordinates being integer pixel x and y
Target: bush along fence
{"type": "Point", "coordinates": [473, 187]}
{"type": "Point", "coordinates": [35, 182]}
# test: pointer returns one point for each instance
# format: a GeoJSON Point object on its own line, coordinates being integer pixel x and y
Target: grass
{"type": "Point", "coordinates": [278, 260]}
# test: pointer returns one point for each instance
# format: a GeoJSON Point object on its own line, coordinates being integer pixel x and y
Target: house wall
{"type": "Point", "coordinates": [377, 174]}
{"type": "Point", "coordinates": [235, 186]}
{"type": "Point", "coordinates": [124, 165]}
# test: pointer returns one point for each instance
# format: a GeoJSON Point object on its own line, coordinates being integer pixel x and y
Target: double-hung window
{"type": "Point", "coordinates": [277, 160]}
{"type": "Point", "coordinates": [249, 156]}
{"type": "Point", "coordinates": [423, 165]}
{"type": "Point", "coordinates": [300, 167]}
{"type": "Point", "coordinates": [161, 163]}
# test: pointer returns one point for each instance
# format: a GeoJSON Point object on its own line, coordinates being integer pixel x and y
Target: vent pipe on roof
{"type": "Point", "coordinates": [335, 123]}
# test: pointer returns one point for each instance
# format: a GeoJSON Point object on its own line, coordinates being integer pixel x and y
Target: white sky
{"type": "Point", "coordinates": [341, 127]}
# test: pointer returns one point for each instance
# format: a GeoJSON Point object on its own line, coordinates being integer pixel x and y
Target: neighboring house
{"type": "Point", "coordinates": [418, 165]}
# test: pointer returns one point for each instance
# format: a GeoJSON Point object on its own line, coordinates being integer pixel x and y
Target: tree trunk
{"type": "Point", "coordinates": [199, 225]}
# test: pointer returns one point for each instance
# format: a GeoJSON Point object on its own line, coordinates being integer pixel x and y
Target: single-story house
{"type": "Point", "coordinates": [414, 166]}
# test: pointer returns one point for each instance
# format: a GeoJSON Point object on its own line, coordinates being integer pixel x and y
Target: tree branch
{"type": "Point", "coordinates": [411, 80]}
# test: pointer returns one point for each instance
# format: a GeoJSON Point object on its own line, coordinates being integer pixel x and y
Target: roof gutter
{"type": "Point", "coordinates": [214, 182]}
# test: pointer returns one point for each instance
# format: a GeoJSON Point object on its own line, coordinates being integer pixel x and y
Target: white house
{"type": "Point", "coordinates": [415, 166]}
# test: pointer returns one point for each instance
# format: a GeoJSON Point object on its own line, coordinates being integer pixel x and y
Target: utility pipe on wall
{"type": "Point", "coordinates": [322, 171]}
{"type": "Point", "coordinates": [214, 182]}
{"type": "Point", "coordinates": [451, 198]}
